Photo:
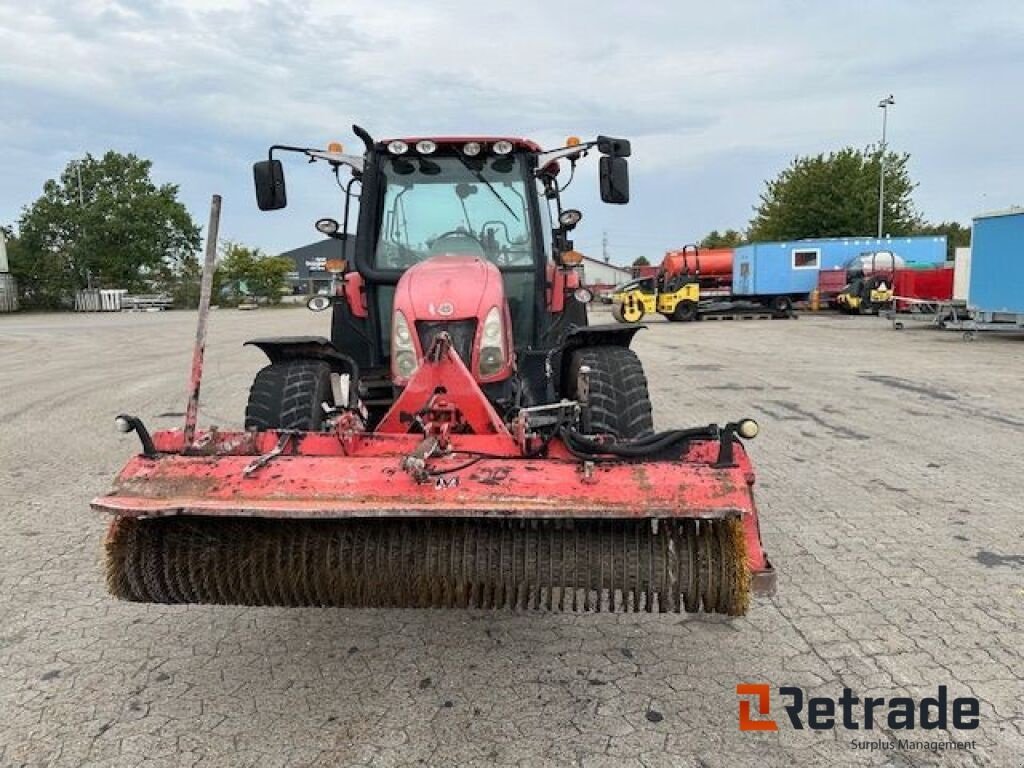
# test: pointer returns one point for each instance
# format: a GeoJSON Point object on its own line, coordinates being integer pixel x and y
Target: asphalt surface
{"type": "Point", "coordinates": [890, 486]}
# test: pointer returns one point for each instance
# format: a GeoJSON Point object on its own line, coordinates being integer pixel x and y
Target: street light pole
{"type": "Point", "coordinates": [884, 105]}
{"type": "Point", "coordinates": [81, 195]}
{"type": "Point", "coordinates": [81, 205]}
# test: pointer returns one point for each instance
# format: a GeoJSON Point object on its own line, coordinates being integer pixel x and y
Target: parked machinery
{"type": "Point", "coordinates": [463, 439]}
{"type": "Point", "coordinates": [685, 278]}
{"type": "Point", "coordinates": [869, 281]}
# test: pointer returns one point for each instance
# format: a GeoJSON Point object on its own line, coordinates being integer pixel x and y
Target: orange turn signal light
{"type": "Point", "coordinates": [571, 258]}
{"type": "Point", "coordinates": [335, 147]}
{"type": "Point", "coordinates": [336, 266]}
{"type": "Point", "coordinates": [572, 141]}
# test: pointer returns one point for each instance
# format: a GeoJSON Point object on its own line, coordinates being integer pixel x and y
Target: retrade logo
{"type": "Point", "coordinates": [821, 713]}
{"type": "Point", "coordinates": [762, 694]}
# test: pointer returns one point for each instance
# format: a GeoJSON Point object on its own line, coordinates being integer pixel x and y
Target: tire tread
{"type": "Point", "coordinates": [619, 402]}
{"type": "Point", "coordinates": [288, 395]}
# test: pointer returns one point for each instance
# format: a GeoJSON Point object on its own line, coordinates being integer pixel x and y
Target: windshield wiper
{"type": "Point", "coordinates": [488, 184]}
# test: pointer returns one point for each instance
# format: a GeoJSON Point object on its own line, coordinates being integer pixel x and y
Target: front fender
{"type": "Point", "coordinates": [614, 335]}
{"type": "Point", "coordinates": [283, 348]}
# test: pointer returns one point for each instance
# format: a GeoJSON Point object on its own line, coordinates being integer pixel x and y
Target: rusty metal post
{"type": "Point", "coordinates": [205, 289]}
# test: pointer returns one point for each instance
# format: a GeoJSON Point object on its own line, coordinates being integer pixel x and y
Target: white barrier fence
{"type": "Point", "coordinates": [99, 300]}
{"type": "Point", "coordinates": [117, 299]}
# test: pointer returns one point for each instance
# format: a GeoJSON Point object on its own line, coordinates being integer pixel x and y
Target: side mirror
{"type": "Point", "coordinates": [614, 172]}
{"type": "Point", "coordinates": [268, 175]}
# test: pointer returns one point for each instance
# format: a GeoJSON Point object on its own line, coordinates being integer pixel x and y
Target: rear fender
{"type": "Point", "coordinates": [589, 336]}
{"type": "Point", "coordinates": [285, 348]}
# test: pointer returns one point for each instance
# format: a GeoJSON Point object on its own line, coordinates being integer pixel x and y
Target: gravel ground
{"type": "Point", "coordinates": [889, 481]}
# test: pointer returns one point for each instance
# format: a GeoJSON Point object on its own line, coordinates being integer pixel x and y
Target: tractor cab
{"type": "Point", "coordinates": [465, 236]}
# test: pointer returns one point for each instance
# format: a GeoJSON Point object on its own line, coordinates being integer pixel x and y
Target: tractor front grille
{"type": "Point", "coordinates": [462, 332]}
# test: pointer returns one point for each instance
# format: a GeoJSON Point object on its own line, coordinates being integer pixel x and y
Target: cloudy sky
{"type": "Point", "coordinates": [715, 96]}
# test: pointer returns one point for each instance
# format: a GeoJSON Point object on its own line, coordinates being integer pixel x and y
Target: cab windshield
{"type": "Point", "coordinates": [455, 205]}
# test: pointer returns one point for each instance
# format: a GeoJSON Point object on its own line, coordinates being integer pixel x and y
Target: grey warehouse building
{"type": "Point", "coordinates": [311, 275]}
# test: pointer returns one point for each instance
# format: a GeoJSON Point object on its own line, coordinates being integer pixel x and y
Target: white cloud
{"type": "Point", "coordinates": [695, 86]}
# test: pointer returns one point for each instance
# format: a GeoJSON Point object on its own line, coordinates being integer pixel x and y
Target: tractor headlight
{"type": "Point", "coordinates": [492, 344]}
{"type": "Point", "coordinates": [405, 364]}
{"type": "Point", "coordinates": [403, 349]}
{"type": "Point", "coordinates": [502, 147]}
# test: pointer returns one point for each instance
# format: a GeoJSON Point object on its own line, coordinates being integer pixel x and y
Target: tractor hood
{"type": "Point", "coordinates": [450, 288]}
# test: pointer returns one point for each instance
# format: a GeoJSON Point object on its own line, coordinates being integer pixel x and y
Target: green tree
{"type": "Point", "coordinates": [182, 281]}
{"type": "Point", "coordinates": [116, 229]}
{"type": "Point", "coordinates": [728, 239]}
{"type": "Point", "coordinates": [641, 261]}
{"type": "Point", "coordinates": [957, 235]}
{"type": "Point", "coordinates": [250, 272]}
{"type": "Point", "coordinates": [836, 195]}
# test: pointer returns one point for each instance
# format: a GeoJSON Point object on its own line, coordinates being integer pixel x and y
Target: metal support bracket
{"type": "Point", "coordinates": [268, 457]}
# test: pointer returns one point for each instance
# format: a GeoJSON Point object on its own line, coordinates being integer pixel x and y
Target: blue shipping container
{"type": "Point", "coordinates": [771, 269]}
{"type": "Point", "coordinates": [997, 262]}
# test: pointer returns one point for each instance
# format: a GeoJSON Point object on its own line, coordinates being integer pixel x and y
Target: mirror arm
{"type": "Point", "coordinates": [352, 161]}
{"type": "Point", "coordinates": [545, 159]}
{"type": "Point", "coordinates": [284, 148]}
{"type": "Point", "coordinates": [355, 162]}
{"type": "Point", "coordinates": [348, 201]}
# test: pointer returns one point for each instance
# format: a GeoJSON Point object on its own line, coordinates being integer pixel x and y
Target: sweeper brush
{"type": "Point", "coordinates": [554, 565]}
{"type": "Point", "coordinates": [465, 439]}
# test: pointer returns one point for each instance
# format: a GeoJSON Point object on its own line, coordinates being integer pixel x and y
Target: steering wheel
{"type": "Point", "coordinates": [454, 234]}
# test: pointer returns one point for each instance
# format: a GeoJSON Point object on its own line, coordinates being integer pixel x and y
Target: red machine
{"type": "Point", "coordinates": [464, 439]}
{"type": "Point", "coordinates": [831, 283]}
{"type": "Point", "coordinates": [710, 269]}
{"type": "Point", "coordinates": [921, 285]}
{"type": "Point", "coordinates": [709, 262]}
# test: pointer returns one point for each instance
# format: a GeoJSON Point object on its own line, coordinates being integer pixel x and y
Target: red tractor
{"type": "Point", "coordinates": [464, 439]}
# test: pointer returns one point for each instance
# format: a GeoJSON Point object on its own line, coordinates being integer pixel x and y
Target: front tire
{"type": "Point", "coordinates": [619, 403]}
{"type": "Point", "coordinates": [289, 395]}
{"type": "Point", "coordinates": [628, 312]}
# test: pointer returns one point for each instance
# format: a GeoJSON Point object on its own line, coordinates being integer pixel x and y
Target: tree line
{"type": "Point", "coordinates": [836, 195]}
{"type": "Point", "coordinates": [104, 223]}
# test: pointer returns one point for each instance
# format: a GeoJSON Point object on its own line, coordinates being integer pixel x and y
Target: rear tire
{"type": "Point", "coordinates": [289, 395]}
{"type": "Point", "coordinates": [619, 403]}
{"type": "Point", "coordinates": [685, 312]}
{"type": "Point", "coordinates": [782, 306]}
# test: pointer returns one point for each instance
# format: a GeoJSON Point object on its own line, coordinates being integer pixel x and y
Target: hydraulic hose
{"type": "Point", "coordinates": [645, 447]}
